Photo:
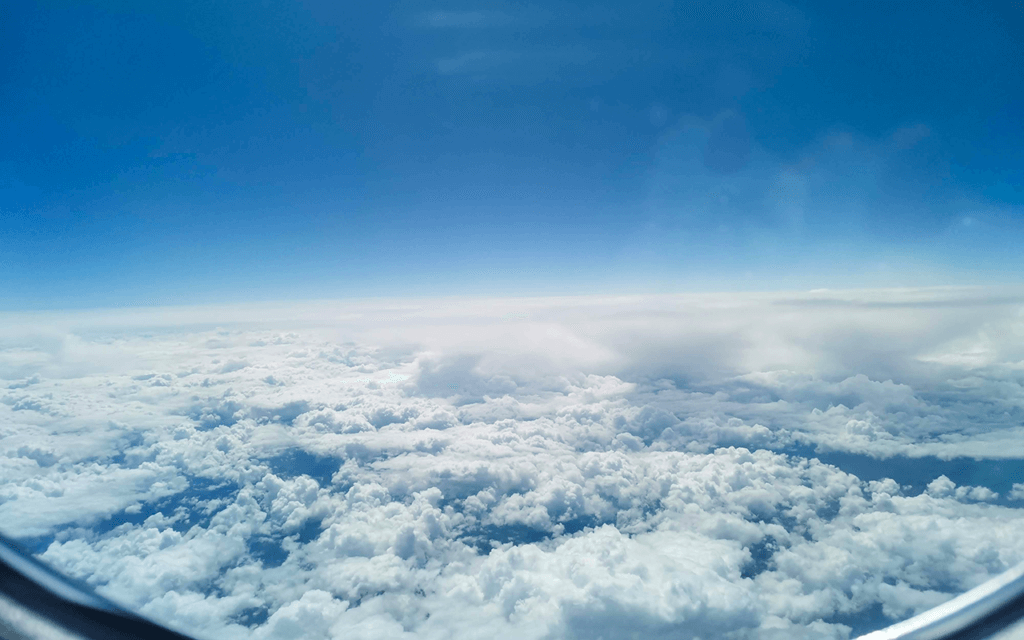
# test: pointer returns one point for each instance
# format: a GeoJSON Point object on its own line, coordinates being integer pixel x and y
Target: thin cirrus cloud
{"type": "Point", "coordinates": [844, 206]}
{"type": "Point", "coordinates": [525, 65]}
{"type": "Point", "coordinates": [465, 19]}
{"type": "Point", "coordinates": [716, 167]}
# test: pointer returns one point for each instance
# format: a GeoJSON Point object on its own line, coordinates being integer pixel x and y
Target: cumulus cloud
{"type": "Point", "coordinates": [801, 465]}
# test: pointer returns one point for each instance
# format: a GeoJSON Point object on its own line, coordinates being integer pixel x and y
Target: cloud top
{"type": "Point", "coordinates": [741, 466]}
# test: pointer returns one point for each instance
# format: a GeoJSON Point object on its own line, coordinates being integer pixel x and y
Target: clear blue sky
{"type": "Point", "coordinates": [155, 153]}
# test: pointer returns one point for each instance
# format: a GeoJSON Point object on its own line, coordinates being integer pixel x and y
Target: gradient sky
{"type": "Point", "coordinates": [160, 153]}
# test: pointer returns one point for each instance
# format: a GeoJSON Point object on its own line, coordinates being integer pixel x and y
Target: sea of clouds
{"type": "Point", "coordinates": [805, 465]}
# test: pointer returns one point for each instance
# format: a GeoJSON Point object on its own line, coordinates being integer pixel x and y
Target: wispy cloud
{"type": "Point", "coordinates": [530, 62]}
{"type": "Point", "coordinates": [464, 19]}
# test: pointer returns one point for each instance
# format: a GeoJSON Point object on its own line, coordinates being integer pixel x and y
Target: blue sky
{"type": "Point", "coordinates": [158, 154]}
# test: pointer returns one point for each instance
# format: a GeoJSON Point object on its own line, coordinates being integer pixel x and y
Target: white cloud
{"type": "Point", "coordinates": [941, 486]}
{"type": "Point", "coordinates": [616, 466]}
{"type": "Point", "coordinates": [465, 19]}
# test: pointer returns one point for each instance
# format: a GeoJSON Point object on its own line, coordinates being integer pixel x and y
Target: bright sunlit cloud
{"type": "Point", "coordinates": [760, 465]}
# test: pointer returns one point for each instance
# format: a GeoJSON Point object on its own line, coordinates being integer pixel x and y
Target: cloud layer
{"type": "Point", "coordinates": [719, 466]}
